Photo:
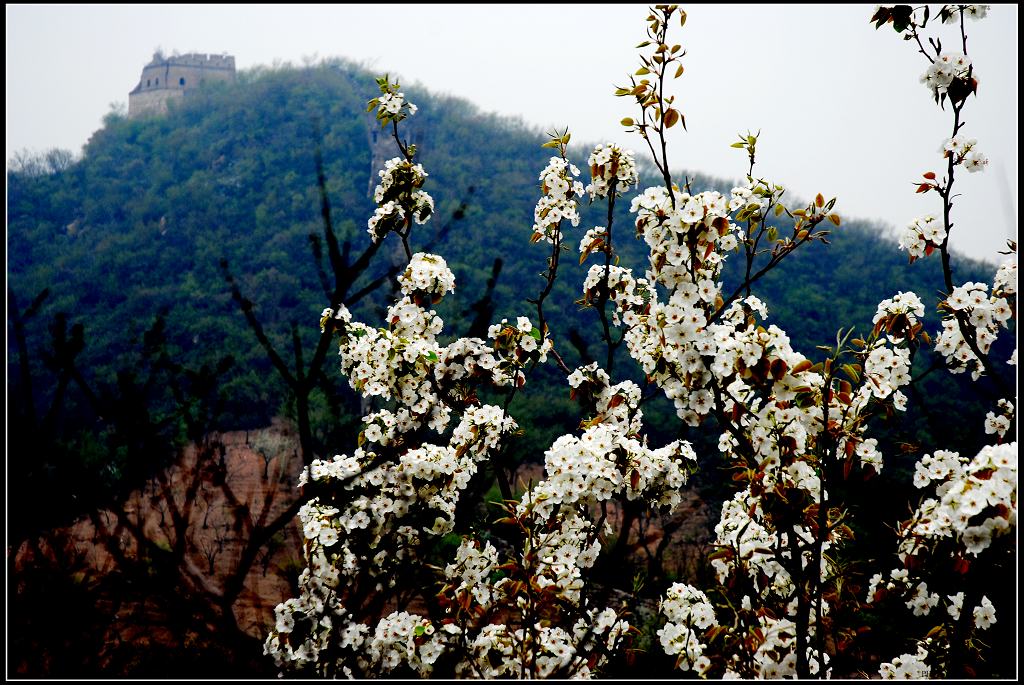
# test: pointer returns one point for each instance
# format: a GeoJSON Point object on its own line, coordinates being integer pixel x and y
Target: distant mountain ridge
{"type": "Point", "coordinates": [139, 225]}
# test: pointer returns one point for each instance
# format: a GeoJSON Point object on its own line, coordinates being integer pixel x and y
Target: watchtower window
{"type": "Point", "coordinates": [148, 81]}
{"type": "Point", "coordinates": [181, 82]}
{"type": "Point", "coordinates": [158, 82]}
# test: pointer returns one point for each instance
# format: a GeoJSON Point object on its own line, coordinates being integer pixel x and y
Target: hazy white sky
{"type": "Point", "coordinates": [838, 103]}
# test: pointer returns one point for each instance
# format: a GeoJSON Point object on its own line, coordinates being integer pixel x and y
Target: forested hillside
{"type": "Point", "coordinates": [138, 229]}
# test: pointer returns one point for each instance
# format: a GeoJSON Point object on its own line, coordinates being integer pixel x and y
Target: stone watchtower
{"type": "Point", "coordinates": [168, 78]}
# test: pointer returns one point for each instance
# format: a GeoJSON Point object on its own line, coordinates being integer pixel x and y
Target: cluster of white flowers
{"type": "Point", "coordinates": [552, 565]}
{"type": "Point", "coordinates": [776, 657]}
{"type": "Point", "coordinates": [668, 339]}
{"type": "Point", "coordinates": [610, 458]}
{"type": "Point", "coordinates": [552, 647]}
{"type": "Point", "coordinates": [471, 569]}
{"type": "Point", "coordinates": [887, 369]}
{"type": "Point", "coordinates": [343, 315]}
{"type": "Point", "coordinates": [1000, 423]}
{"type": "Point", "coordinates": [423, 484]}
{"type": "Point", "coordinates": [506, 610]}
{"type": "Point", "coordinates": [688, 613]}
{"type": "Point", "coordinates": [688, 238]}
{"type": "Point", "coordinates": [563, 550]}
{"type": "Point", "coordinates": [748, 546]}
{"type": "Point", "coordinates": [626, 292]}
{"type": "Point", "coordinates": [944, 70]}
{"type": "Point", "coordinates": [393, 103]}
{"type": "Point", "coordinates": [389, 494]}
{"type": "Point", "coordinates": [1005, 282]}
{"type": "Point", "coordinates": [951, 13]}
{"type": "Point", "coordinates": [394, 362]}
{"type": "Point", "coordinates": [753, 548]}
{"type": "Point", "coordinates": [984, 313]}
{"type": "Point", "coordinates": [975, 161]}
{"type": "Point", "coordinates": [498, 651]}
{"type": "Point", "coordinates": [906, 303]}
{"type": "Point", "coordinates": [780, 428]}
{"type": "Point", "coordinates": [984, 614]}
{"type": "Point", "coordinates": [775, 403]}
{"type": "Point", "coordinates": [559, 190]}
{"type": "Point", "coordinates": [398, 195]}
{"type": "Point", "coordinates": [611, 165]}
{"type": "Point", "coordinates": [559, 548]}
{"type": "Point", "coordinates": [745, 199]}
{"type": "Point", "coordinates": [963, 151]}
{"type": "Point", "coordinates": [975, 500]}
{"type": "Point", "coordinates": [601, 629]}
{"type": "Point", "coordinates": [428, 274]}
{"type": "Point", "coordinates": [402, 638]}
{"type": "Point", "coordinates": [750, 374]}
{"type": "Point", "coordinates": [594, 240]}
{"type": "Point", "coordinates": [922, 236]}
{"type": "Point", "coordinates": [290, 650]}
{"type": "Point", "coordinates": [689, 235]}
{"type": "Point", "coordinates": [340, 542]}
{"type": "Point", "coordinates": [398, 176]}
{"type": "Point", "coordinates": [517, 346]}
{"type": "Point", "coordinates": [907, 667]}
{"type": "Point", "coordinates": [386, 218]}
{"type": "Point", "coordinates": [921, 601]}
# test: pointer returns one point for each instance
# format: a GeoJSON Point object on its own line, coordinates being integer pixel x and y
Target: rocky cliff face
{"type": "Point", "coordinates": [183, 578]}
{"type": "Point", "coordinates": [171, 572]}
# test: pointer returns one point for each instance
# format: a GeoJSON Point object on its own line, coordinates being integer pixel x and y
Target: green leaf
{"type": "Point", "coordinates": [851, 372]}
